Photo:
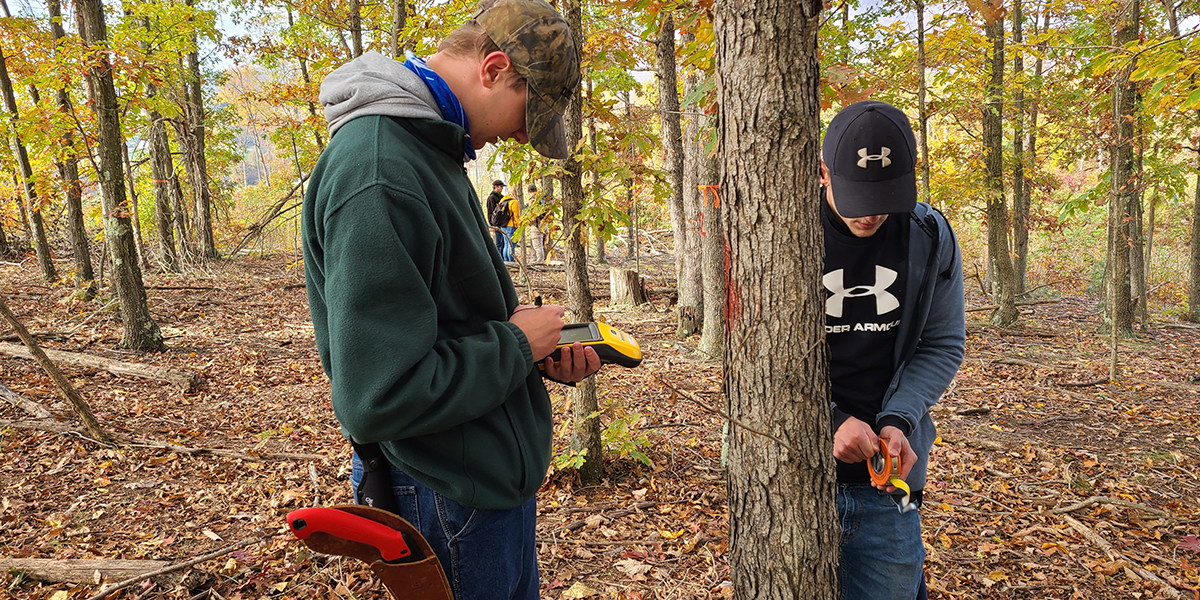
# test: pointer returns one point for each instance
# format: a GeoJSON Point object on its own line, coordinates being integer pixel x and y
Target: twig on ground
{"type": "Point", "coordinates": [312, 474]}
{"type": "Point", "coordinates": [574, 525]}
{"type": "Point", "coordinates": [1108, 500]}
{"type": "Point", "coordinates": [1113, 553]}
{"type": "Point", "coordinates": [1082, 383]}
{"type": "Point", "coordinates": [34, 409]}
{"type": "Point", "coordinates": [104, 593]}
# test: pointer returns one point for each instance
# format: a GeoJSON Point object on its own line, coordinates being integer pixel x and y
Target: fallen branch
{"type": "Point", "coordinates": [186, 380]}
{"type": "Point", "coordinates": [124, 440]}
{"type": "Point", "coordinates": [1025, 303]}
{"type": "Point", "coordinates": [32, 350]}
{"type": "Point", "coordinates": [78, 571]}
{"type": "Point", "coordinates": [1108, 500]}
{"type": "Point", "coordinates": [104, 593]}
{"type": "Point", "coordinates": [1083, 383]}
{"type": "Point", "coordinates": [981, 410]}
{"type": "Point", "coordinates": [616, 514]}
{"type": "Point", "coordinates": [1113, 553]}
{"type": "Point", "coordinates": [256, 228]}
{"type": "Point", "coordinates": [1022, 363]}
{"type": "Point", "coordinates": [646, 542]}
{"type": "Point", "coordinates": [34, 409]}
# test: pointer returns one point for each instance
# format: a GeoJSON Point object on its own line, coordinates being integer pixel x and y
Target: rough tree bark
{"type": "Point", "coordinates": [68, 172]}
{"type": "Point", "coordinates": [399, 19]}
{"type": "Point", "coordinates": [356, 27]}
{"type": "Point", "coordinates": [668, 106]}
{"type": "Point", "coordinates": [140, 330]}
{"type": "Point", "coordinates": [1118, 298]}
{"type": "Point", "coordinates": [194, 103]}
{"type": "Point", "coordinates": [922, 110]}
{"type": "Point", "coordinates": [691, 285]}
{"type": "Point", "coordinates": [44, 259]}
{"type": "Point", "coordinates": [586, 432]}
{"type": "Point", "coordinates": [783, 520]}
{"type": "Point", "coordinates": [161, 172]}
{"type": "Point", "coordinates": [1020, 209]}
{"type": "Point", "coordinates": [993, 151]}
{"type": "Point", "coordinates": [713, 259]}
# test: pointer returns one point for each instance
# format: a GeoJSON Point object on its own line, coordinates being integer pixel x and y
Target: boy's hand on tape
{"type": "Point", "coordinates": [542, 326]}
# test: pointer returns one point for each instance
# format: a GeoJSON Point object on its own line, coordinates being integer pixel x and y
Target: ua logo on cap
{"type": "Point", "coordinates": [885, 302]}
{"type": "Point", "coordinates": [881, 157]}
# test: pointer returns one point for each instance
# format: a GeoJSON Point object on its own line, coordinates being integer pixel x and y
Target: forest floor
{"type": "Point", "coordinates": [1039, 487]}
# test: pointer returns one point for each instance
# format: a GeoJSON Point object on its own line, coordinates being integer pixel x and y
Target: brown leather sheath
{"type": "Point", "coordinates": [419, 580]}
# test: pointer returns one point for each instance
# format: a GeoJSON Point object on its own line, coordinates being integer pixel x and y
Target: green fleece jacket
{"type": "Point", "coordinates": [410, 305]}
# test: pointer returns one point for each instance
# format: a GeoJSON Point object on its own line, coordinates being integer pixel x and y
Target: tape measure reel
{"type": "Point", "coordinates": [884, 474]}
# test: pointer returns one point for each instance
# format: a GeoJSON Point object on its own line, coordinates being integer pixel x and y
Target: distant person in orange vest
{"type": "Point", "coordinates": [537, 237]}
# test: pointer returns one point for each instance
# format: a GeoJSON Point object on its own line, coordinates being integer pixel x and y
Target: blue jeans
{"type": "Point", "coordinates": [882, 552]}
{"type": "Point", "coordinates": [506, 252]}
{"type": "Point", "coordinates": [486, 554]}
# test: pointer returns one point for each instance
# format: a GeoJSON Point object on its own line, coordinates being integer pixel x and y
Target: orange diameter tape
{"type": "Point", "coordinates": [884, 474]}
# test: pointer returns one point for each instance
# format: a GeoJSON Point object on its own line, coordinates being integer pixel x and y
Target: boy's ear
{"type": "Point", "coordinates": [493, 67]}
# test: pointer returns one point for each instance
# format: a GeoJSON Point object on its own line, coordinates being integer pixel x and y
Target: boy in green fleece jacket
{"type": "Point", "coordinates": [415, 317]}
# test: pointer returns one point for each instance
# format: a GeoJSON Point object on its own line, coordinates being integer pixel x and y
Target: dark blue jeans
{"type": "Point", "coordinates": [487, 554]}
{"type": "Point", "coordinates": [882, 551]}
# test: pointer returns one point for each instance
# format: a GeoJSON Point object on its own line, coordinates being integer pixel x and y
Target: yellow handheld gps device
{"type": "Point", "coordinates": [611, 344]}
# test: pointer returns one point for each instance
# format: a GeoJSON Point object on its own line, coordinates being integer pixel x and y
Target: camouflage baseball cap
{"type": "Point", "coordinates": [539, 44]}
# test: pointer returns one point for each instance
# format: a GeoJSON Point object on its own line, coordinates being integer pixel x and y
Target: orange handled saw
{"type": "Point", "coordinates": [396, 552]}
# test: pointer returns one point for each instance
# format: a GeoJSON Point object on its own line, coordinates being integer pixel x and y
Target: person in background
{"type": "Point", "coordinates": [493, 202]}
{"type": "Point", "coordinates": [894, 322]}
{"type": "Point", "coordinates": [430, 357]}
{"type": "Point", "coordinates": [537, 238]}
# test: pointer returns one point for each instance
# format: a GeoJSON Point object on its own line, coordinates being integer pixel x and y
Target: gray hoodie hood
{"type": "Point", "coordinates": [374, 84]}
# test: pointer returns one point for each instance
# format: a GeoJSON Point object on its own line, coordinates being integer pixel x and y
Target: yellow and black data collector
{"type": "Point", "coordinates": [611, 344]}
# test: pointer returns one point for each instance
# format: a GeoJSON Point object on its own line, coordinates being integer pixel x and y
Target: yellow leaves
{"type": "Point", "coordinates": [579, 590]}
{"type": "Point", "coordinates": [945, 540]}
{"type": "Point", "coordinates": [672, 535]}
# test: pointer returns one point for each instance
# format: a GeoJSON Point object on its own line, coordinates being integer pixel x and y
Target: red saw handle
{"type": "Point", "coordinates": [338, 523]}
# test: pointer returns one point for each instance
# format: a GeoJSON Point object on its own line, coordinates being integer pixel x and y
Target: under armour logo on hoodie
{"type": "Point", "coordinates": [885, 302]}
{"type": "Point", "coordinates": [882, 157]}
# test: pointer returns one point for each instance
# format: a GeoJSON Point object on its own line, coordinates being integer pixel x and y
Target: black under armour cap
{"type": "Point", "coordinates": [871, 154]}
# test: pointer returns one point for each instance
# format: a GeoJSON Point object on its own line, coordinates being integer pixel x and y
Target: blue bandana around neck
{"type": "Point", "coordinates": [447, 102]}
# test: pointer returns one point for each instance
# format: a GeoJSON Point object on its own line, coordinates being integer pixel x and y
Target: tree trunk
{"type": "Point", "coordinates": [194, 94]}
{"type": "Point", "coordinates": [161, 171]}
{"type": "Point", "coordinates": [1020, 210]}
{"type": "Point", "coordinates": [140, 330]}
{"type": "Point", "coordinates": [586, 433]}
{"type": "Point", "coordinates": [312, 106]}
{"type": "Point", "coordinates": [1035, 104]}
{"type": "Point", "coordinates": [993, 148]}
{"type": "Point", "coordinates": [1137, 263]}
{"type": "Point", "coordinates": [668, 106]}
{"type": "Point", "coordinates": [691, 284]}
{"type": "Point", "coordinates": [783, 533]}
{"type": "Point", "coordinates": [44, 259]}
{"type": "Point", "coordinates": [135, 212]}
{"type": "Point", "coordinates": [68, 172]}
{"type": "Point", "coordinates": [356, 27]}
{"type": "Point", "coordinates": [1194, 284]}
{"type": "Point", "coordinates": [712, 242]}
{"type": "Point", "coordinates": [597, 188]}
{"type": "Point", "coordinates": [399, 19]}
{"type": "Point", "coordinates": [922, 109]}
{"type": "Point", "coordinates": [625, 288]}
{"type": "Point", "coordinates": [1124, 188]}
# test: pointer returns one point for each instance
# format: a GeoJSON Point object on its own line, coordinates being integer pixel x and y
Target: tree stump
{"type": "Point", "coordinates": [625, 287]}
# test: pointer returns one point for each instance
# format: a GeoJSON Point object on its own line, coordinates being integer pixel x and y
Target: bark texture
{"type": "Point", "coordinates": [668, 106]}
{"type": "Point", "coordinates": [140, 330]}
{"type": "Point", "coordinates": [44, 259]}
{"type": "Point", "coordinates": [1020, 210]}
{"type": "Point", "coordinates": [202, 194]}
{"type": "Point", "coordinates": [1118, 294]}
{"type": "Point", "coordinates": [783, 520]}
{"type": "Point", "coordinates": [999, 259]}
{"type": "Point", "coordinates": [68, 173]}
{"type": "Point", "coordinates": [586, 433]}
{"type": "Point", "coordinates": [712, 242]}
{"type": "Point", "coordinates": [691, 285]}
